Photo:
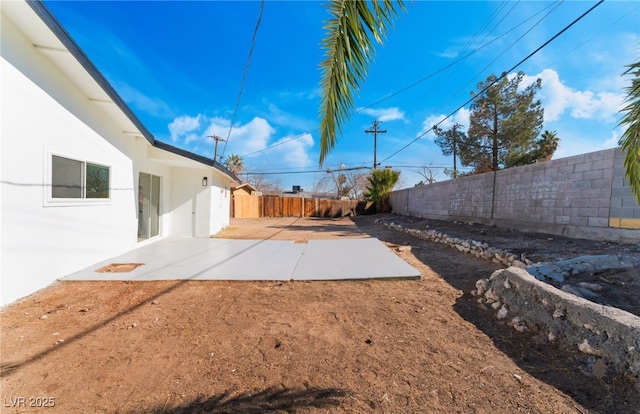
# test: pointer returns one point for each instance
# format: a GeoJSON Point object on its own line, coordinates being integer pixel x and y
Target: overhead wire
{"type": "Point", "coordinates": [505, 73]}
{"type": "Point", "coordinates": [503, 52]}
{"type": "Point", "coordinates": [596, 34]}
{"type": "Point", "coordinates": [244, 76]}
{"type": "Point", "coordinates": [412, 85]}
{"type": "Point", "coordinates": [495, 39]}
{"type": "Point", "coordinates": [307, 171]}
{"type": "Point", "coordinates": [444, 68]}
{"type": "Point", "coordinates": [476, 35]}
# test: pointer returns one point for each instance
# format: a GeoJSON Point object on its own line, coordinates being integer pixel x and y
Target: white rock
{"type": "Point", "coordinates": [520, 326]}
{"type": "Point", "coordinates": [591, 286]}
{"type": "Point", "coordinates": [496, 305]}
{"type": "Point", "coordinates": [507, 285]}
{"type": "Point", "coordinates": [502, 313]}
{"type": "Point", "coordinates": [585, 348]}
{"type": "Point", "coordinates": [491, 296]}
{"type": "Point", "coordinates": [558, 314]}
{"type": "Point", "coordinates": [591, 328]}
{"type": "Point", "coordinates": [551, 336]}
{"type": "Point", "coordinates": [481, 286]}
{"type": "Point", "coordinates": [518, 264]}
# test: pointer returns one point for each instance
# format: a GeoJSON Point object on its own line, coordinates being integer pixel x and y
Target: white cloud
{"type": "Point", "coordinates": [385, 115]}
{"type": "Point", "coordinates": [613, 141]}
{"type": "Point", "coordinates": [557, 98]}
{"type": "Point", "coordinates": [194, 132]}
{"type": "Point", "coordinates": [250, 137]}
{"type": "Point", "coordinates": [461, 117]}
{"type": "Point", "coordinates": [247, 140]}
{"type": "Point", "coordinates": [294, 152]}
{"type": "Point", "coordinates": [182, 125]}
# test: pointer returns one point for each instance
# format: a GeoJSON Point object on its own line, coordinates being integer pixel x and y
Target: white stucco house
{"type": "Point", "coordinates": [81, 179]}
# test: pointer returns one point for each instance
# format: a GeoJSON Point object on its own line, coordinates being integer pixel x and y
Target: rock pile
{"type": "Point", "coordinates": [524, 298]}
{"type": "Point", "coordinates": [477, 248]}
{"type": "Point", "coordinates": [609, 337]}
{"type": "Point", "coordinates": [560, 269]}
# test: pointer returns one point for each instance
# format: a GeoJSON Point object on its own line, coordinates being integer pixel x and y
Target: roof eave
{"type": "Point", "coordinates": [54, 25]}
{"type": "Point", "coordinates": [195, 157]}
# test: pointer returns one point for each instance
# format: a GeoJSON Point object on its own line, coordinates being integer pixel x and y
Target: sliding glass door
{"type": "Point", "coordinates": [148, 206]}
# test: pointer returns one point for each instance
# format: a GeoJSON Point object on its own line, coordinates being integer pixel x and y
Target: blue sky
{"type": "Point", "coordinates": [180, 65]}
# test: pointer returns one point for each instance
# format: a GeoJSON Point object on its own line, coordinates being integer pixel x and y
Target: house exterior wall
{"type": "Point", "coordinates": [583, 196]}
{"type": "Point", "coordinates": [42, 241]}
{"type": "Point", "coordinates": [197, 210]}
{"type": "Point", "coordinates": [45, 113]}
{"type": "Point", "coordinates": [220, 196]}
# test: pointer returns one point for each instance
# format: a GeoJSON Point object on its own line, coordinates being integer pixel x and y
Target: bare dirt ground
{"type": "Point", "coordinates": [389, 346]}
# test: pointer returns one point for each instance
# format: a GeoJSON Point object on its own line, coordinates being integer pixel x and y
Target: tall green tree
{"type": "Point", "coordinates": [349, 50]}
{"type": "Point", "coordinates": [630, 140]}
{"type": "Point", "coordinates": [504, 122]}
{"type": "Point", "coordinates": [348, 45]}
{"type": "Point", "coordinates": [449, 142]}
{"type": "Point", "coordinates": [381, 182]}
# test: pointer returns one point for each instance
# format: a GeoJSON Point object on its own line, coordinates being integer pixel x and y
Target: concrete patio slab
{"type": "Point", "coordinates": [204, 259]}
{"type": "Point", "coordinates": [351, 259]}
{"type": "Point", "coordinates": [232, 259]}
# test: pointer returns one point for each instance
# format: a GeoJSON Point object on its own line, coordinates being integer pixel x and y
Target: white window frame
{"type": "Point", "coordinates": [51, 201]}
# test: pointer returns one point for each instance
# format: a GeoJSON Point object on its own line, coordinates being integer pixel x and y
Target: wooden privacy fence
{"type": "Point", "coordinates": [253, 206]}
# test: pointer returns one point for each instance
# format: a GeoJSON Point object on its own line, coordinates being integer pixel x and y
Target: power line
{"type": "Point", "coordinates": [414, 84]}
{"type": "Point", "coordinates": [307, 171]}
{"type": "Point", "coordinates": [500, 55]}
{"type": "Point", "coordinates": [505, 73]}
{"type": "Point", "coordinates": [453, 63]}
{"type": "Point", "coordinates": [279, 143]}
{"type": "Point", "coordinates": [244, 75]}
{"type": "Point", "coordinates": [467, 46]}
{"type": "Point", "coordinates": [481, 47]}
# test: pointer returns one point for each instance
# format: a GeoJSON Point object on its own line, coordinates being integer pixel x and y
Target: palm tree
{"type": "Point", "coordinates": [630, 140]}
{"type": "Point", "coordinates": [349, 51]}
{"type": "Point", "coordinates": [381, 182]}
{"type": "Point", "coordinates": [234, 164]}
{"type": "Point", "coordinates": [548, 145]}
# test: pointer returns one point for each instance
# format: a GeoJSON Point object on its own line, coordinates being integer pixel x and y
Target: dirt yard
{"type": "Point", "coordinates": [388, 346]}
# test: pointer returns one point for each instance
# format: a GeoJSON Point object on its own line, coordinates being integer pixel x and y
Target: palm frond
{"type": "Point", "coordinates": [349, 51]}
{"type": "Point", "coordinates": [630, 140]}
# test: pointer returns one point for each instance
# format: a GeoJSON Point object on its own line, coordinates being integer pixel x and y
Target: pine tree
{"type": "Point", "coordinates": [504, 123]}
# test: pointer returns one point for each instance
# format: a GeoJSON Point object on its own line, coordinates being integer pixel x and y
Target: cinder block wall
{"type": "Point", "coordinates": [584, 196]}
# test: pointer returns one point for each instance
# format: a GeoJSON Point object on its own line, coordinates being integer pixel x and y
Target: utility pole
{"type": "Point", "coordinates": [375, 131]}
{"type": "Point", "coordinates": [455, 152]}
{"type": "Point", "coordinates": [215, 151]}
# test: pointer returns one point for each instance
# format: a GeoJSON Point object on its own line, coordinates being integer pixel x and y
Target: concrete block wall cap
{"type": "Point", "coordinates": [620, 315]}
